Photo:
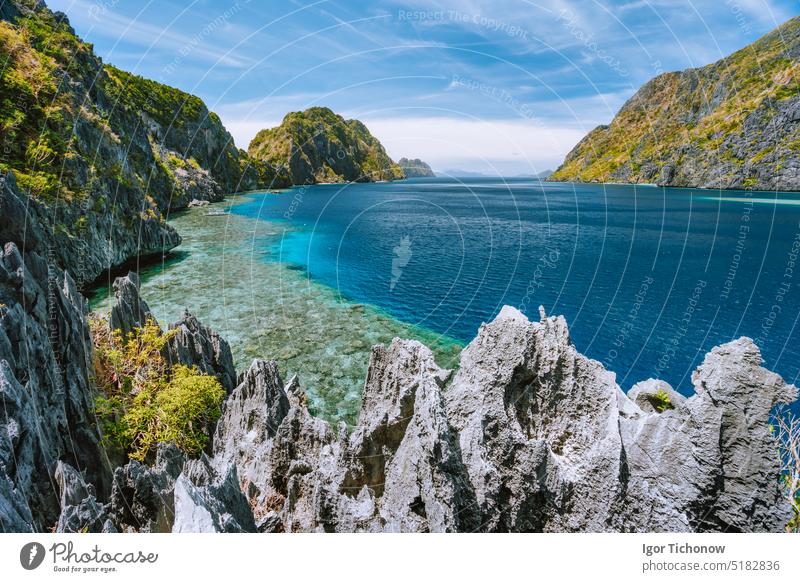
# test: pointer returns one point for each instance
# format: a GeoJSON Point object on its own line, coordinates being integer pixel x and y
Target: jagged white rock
{"type": "Point", "coordinates": [529, 436]}
{"type": "Point", "coordinates": [208, 501]}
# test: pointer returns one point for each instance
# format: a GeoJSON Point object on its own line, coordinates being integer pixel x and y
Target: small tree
{"type": "Point", "coordinates": [787, 433]}
{"type": "Point", "coordinates": [180, 410]}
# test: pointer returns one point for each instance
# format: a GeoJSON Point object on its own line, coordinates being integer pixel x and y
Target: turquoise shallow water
{"type": "Point", "coordinates": [648, 278]}
{"type": "Point", "coordinates": [226, 274]}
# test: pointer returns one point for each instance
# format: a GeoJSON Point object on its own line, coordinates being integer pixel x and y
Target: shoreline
{"type": "Point", "coordinates": [653, 185]}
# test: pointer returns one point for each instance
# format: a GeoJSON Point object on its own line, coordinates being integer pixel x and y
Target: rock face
{"type": "Point", "coordinates": [175, 495]}
{"type": "Point", "coordinates": [129, 311]}
{"type": "Point", "coordinates": [317, 145]}
{"type": "Point", "coordinates": [80, 510]}
{"type": "Point", "coordinates": [113, 153]}
{"type": "Point", "coordinates": [45, 389]}
{"type": "Point", "coordinates": [415, 168]}
{"type": "Point", "coordinates": [529, 436]}
{"type": "Point", "coordinates": [731, 124]}
{"type": "Point", "coordinates": [207, 501]}
{"type": "Point", "coordinates": [142, 497]}
{"type": "Point", "coordinates": [554, 445]}
{"type": "Point", "coordinates": [192, 344]}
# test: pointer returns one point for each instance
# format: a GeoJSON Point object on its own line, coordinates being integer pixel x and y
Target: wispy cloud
{"type": "Point", "coordinates": [111, 24]}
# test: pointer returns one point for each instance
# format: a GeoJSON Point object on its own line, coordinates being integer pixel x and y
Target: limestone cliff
{"type": "Point", "coordinates": [530, 435]}
{"type": "Point", "coordinates": [731, 124]}
{"type": "Point", "coordinates": [99, 155]}
{"type": "Point", "coordinates": [93, 160]}
{"type": "Point", "coordinates": [317, 145]}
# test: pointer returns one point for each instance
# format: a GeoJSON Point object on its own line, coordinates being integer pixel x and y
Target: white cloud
{"type": "Point", "coordinates": [445, 142]}
{"type": "Point", "coordinates": [244, 130]}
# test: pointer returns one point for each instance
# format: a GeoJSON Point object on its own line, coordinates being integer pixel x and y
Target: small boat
{"type": "Point", "coordinates": [216, 213]}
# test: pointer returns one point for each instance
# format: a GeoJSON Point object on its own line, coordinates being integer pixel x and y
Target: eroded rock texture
{"type": "Point", "coordinates": [529, 436]}
{"type": "Point", "coordinates": [192, 344]}
{"type": "Point", "coordinates": [46, 398]}
{"type": "Point", "coordinates": [730, 124]}
{"type": "Point", "coordinates": [210, 501]}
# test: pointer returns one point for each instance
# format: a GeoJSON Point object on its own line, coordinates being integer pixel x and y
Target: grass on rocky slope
{"type": "Point", "coordinates": [698, 108]}
{"type": "Point", "coordinates": [168, 106]}
{"type": "Point", "coordinates": [33, 113]}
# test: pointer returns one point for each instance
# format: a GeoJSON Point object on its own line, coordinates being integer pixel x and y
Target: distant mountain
{"type": "Point", "coordinates": [541, 175]}
{"type": "Point", "coordinates": [731, 124]}
{"type": "Point", "coordinates": [462, 174]}
{"type": "Point", "coordinates": [317, 145]}
{"type": "Point", "coordinates": [415, 168]}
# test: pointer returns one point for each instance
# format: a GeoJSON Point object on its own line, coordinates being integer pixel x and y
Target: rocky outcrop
{"type": "Point", "coordinates": [731, 124]}
{"type": "Point", "coordinates": [80, 510]}
{"type": "Point", "coordinates": [267, 433]}
{"type": "Point", "coordinates": [113, 154]}
{"type": "Point", "coordinates": [529, 436]}
{"type": "Point", "coordinates": [174, 495]}
{"type": "Point", "coordinates": [15, 513]}
{"type": "Point", "coordinates": [403, 450]}
{"type": "Point", "coordinates": [191, 343]}
{"type": "Point", "coordinates": [142, 497]}
{"type": "Point", "coordinates": [207, 501]}
{"type": "Point", "coordinates": [415, 168]}
{"type": "Point", "coordinates": [101, 154]}
{"type": "Point", "coordinates": [317, 145]}
{"type": "Point", "coordinates": [728, 484]}
{"type": "Point", "coordinates": [129, 310]}
{"type": "Point", "coordinates": [49, 441]}
{"type": "Point", "coordinates": [552, 443]}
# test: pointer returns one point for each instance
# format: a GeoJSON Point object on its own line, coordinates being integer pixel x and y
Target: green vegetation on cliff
{"type": "Point", "coordinates": [102, 155]}
{"type": "Point", "coordinates": [731, 124]}
{"type": "Point", "coordinates": [33, 113]}
{"type": "Point", "coordinates": [317, 145]}
{"type": "Point", "coordinates": [143, 401]}
{"type": "Point", "coordinates": [166, 105]}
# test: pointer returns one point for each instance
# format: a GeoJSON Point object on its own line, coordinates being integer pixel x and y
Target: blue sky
{"type": "Point", "coordinates": [496, 86]}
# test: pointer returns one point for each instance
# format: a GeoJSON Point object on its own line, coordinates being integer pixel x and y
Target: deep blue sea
{"type": "Point", "coordinates": [649, 279]}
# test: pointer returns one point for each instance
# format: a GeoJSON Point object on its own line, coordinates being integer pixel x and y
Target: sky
{"type": "Point", "coordinates": [502, 87]}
